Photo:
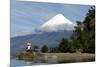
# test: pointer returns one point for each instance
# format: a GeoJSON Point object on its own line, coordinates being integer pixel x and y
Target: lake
{"type": "Point", "coordinates": [14, 63]}
{"type": "Point", "coordinates": [55, 58]}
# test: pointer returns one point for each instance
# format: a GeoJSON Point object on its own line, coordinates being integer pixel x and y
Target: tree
{"type": "Point", "coordinates": [84, 34]}
{"type": "Point", "coordinates": [89, 28]}
{"type": "Point", "coordinates": [64, 45]}
{"type": "Point", "coordinates": [35, 47]}
{"type": "Point", "coordinates": [44, 49]}
{"type": "Point", "coordinates": [54, 50]}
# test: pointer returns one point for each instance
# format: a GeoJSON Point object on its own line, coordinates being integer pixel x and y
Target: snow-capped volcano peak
{"type": "Point", "coordinates": [58, 22]}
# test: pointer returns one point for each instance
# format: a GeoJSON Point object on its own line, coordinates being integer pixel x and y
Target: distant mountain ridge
{"type": "Point", "coordinates": [51, 39]}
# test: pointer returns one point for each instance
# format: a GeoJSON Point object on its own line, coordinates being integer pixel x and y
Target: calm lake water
{"type": "Point", "coordinates": [14, 63]}
{"type": "Point", "coordinates": [52, 60]}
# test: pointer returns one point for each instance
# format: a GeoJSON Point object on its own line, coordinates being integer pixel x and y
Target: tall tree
{"type": "Point", "coordinates": [84, 33]}
{"type": "Point", "coordinates": [44, 49]}
{"type": "Point", "coordinates": [89, 27]}
{"type": "Point", "coordinates": [64, 46]}
{"type": "Point", "coordinates": [35, 47]}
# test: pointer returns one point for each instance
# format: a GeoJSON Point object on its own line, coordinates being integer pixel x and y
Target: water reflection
{"type": "Point", "coordinates": [52, 60]}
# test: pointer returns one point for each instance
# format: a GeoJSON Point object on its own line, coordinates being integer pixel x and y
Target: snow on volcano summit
{"type": "Point", "coordinates": [57, 23]}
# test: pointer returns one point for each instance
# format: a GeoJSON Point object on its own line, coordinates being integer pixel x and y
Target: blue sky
{"type": "Point", "coordinates": [26, 16]}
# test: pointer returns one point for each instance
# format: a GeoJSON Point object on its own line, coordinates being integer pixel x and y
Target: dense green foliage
{"type": "Point", "coordinates": [35, 47]}
{"type": "Point", "coordinates": [84, 34]}
{"type": "Point", "coordinates": [64, 45]}
{"type": "Point", "coordinates": [44, 49]}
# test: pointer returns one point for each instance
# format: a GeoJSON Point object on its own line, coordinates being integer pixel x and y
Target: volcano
{"type": "Point", "coordinates": [57, 23]}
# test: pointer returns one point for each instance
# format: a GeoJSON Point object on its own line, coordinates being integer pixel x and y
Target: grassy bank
{"type": "Point", "coordinates": [60, 57]}
{"type": "Point", "coordinates": [72, 57]}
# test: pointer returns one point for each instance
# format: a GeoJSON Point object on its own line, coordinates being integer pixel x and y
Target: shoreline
{"type": "Point", "coordinates": [60, 57]}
